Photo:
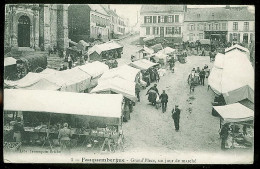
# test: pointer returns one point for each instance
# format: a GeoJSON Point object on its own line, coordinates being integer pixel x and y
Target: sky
{"type": "Point", "coordinates": [130, 11]}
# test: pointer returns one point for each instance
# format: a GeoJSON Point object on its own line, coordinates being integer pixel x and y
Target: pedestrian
{"type": "Point", "coordinates": [203, 52]}
{"type": "Point", "coordinates": [164, 101]}
{"type": "Point", "coordinates": [70, 62]}
{"type": "Point", "coordinates": [176, 117]}
{"type": "Point", "coordinates": [198, 70]}
{"type": "Point", "coordinates": [18, 130]}
{"type": "Point", "coordinates": [202, 76]}
{"type": "Point", "coordinates": [137, 91]}
{"type": "Point", "coordinates": [224, 135]}
{"type": "Point", "coordinates": [64, 137]}
{"type": "Point", "coordinates": [126, 116]}
{"type": "Point", "coordinates": [157, 76]}
{"type": "Point", "coordinates": [153, 95]}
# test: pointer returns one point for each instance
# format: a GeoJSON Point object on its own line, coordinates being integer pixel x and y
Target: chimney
{"type": "Point", "coordinates": [184, 8]}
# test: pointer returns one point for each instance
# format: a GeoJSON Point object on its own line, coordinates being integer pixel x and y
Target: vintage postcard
{"type": "Point", "coordinates": [132, 84]}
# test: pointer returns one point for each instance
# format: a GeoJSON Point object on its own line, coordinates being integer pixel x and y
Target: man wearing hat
{"type": "Point", "coordinates": [164, 101]}
{"type": "Point", "coordinates": [176, 117]}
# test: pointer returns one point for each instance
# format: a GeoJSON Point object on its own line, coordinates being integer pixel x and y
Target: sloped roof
{"type": "Point", "coordinates": [161, 8]}
{"type": "Point", "coordinates": [104, 47]}
{"type": "Point", "coordinates": [98, 8]}
{"type": "Point", "coordinates": [216, 14]}
{"type": "Point", "coordinates": [110, 11]}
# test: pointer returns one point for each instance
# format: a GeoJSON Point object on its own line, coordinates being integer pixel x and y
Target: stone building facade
{"type": "Point", "coordinates": [36, 26]}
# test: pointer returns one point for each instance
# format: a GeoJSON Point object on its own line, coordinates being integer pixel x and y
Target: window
{"type": "Point", "coordinates": [209, 27]}
{"type": "Point", "coordinates": [234, 36]}
{"type": "Point", "coordinates": [159, 19]}
{"type": "Point", "coordinates": [177, 30]}
{"type": "Point", "coordinates": [224, 26]}
{"type": "Point", "coordinates": [198, 15]}
{"type": "Point", "coordinates": [191, 27]}
{"type": "Point", "coordinates": [154, 19]}
{"type": "Point", "coordinates": [201, 27]}
{"type": "Point", "coordinates": [147, 30]}
{"type": "Point", "coordinates": [155, 30]}
{"type": "Point", "coordinates": [201, 36]}
{"type": "Point", "coordinates": [149, 19]}
{"type": "Point", "coordinates": [177, 18]}
{"type": "Point", "coordinates": [162, 19]}
{"type": "Point", "coordinates": [191, 37]}
{"type": "Point", "coordinates": [246, 26]}
{"type": "Point", "coordinates": [216, 26]}
{"type": "Point", "coordinates": [235, 26]}
{"type": "Point", "coordinates": [168, 30]}
{"type": "Point", "coordinates": [170, 18]}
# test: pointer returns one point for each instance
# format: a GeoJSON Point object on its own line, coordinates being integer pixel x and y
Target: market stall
{"type": "Point", "coordinates": [236, 125]}
{"type": "Point", "coordinates": [71, 80]}
{"type": "Point", "coordinates": [91, 116]}
{"type": "Point", "coordinates": [146, 68]}
{"type": "Point", "coordinates": [104, 51]}
{"type": "Point", "coordinates": [95, 70]}
{"type": "Point", "coordinates": [116, 85]}
{"type": "Point", "coordinates": [240, 48]}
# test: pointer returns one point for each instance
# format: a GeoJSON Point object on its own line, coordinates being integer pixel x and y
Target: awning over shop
{"type": "Point", "coordinates": [235, 112]}
{"type": "Point", "coordinates": [117, 85]}
{"type": "Point", "coordinates": [99, 105]}
{"type": "Point", "coordinates": [142, 64]}
{"type": "Point", "coordinates": [94, 69]}
{"type": "Point", "coordinates": [104, 47]}
{"type": "Point", "coordinates": [9, 61]}
{"type": "Point", "coordinates": [125, 72]}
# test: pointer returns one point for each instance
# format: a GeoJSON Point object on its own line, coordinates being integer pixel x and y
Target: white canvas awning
{"type": "Point", "coordinates": [125, 72]}
{"type": "Point", "coordinates": [94, 69]}
{"type": "Point", "coordinates": [98, 105]}
{"type": "Point", "coordinates": [142, 64]}
{"type": "Point", "coordinates": [104, 47]}
{"type": "Point", "coordinates": [235, 80]}
{"type": "Point", "coordinates": [117, 85]}
{"type": "Point", "coordinates": [9, 61]}
{"type": "Point", "coordinates": [167, 51]}
{"type": "Point", "coordinates": [235, 112]}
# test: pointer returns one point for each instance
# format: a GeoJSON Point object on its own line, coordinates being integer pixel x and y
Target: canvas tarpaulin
{"type": "Point", "coordinates": [167, 51]}
{"type": "Point", "coordinates": [117, 85]}
{"type": "Point", "coordinates": [96, 105]}
{"type": "Point", "coordinates": [235, 112]}
{"type": "Point", "coordinates": [94, 69]}
{"type": "Point", "coordinates": [9, 61]}
{"type": "Point", "coordinates": [238, 47]}
{"type": "Point", "coordinates": [125, 72]}
{"type": "Point", "coordinates": [104, 47]}
{"type": "Point", "coordinates": [236, 80]}
{"type": "Point", "coordinates": [142, 64]}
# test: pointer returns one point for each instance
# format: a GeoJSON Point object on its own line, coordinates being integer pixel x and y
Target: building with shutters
{"type": "Point", "coordinates": [36, 25]}
{"type": "Point", "coordinates": [88, 22]}
{"type": "Point", "coordinates": [232, 24]}
{"type": "Point", "coordinates": [162, 21]}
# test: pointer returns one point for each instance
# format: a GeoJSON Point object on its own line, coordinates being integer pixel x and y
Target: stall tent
{"type": "Point", "coordinates": [214, 80]}
{"type": "Point", "coordinates": [125, 72]}
{"type": "Point", "coordinates": [235, 113]}
{"type": "Point", "coordinates": [71, 80]}
{"type": "Point", "coordinates": [236, 80]}
{"type": "Point", "coordinates": [106, 106]}
{"type": "Point", "coordinates": [117, 85]}
{"type": "Point", "coordinates": [142, 64]}
{"type": "Point", "coordinates": [167, 50]}
{"type": "Point", "coordinates": [94, 53]}
{"type": "Point", "coordinates": [238, 47]}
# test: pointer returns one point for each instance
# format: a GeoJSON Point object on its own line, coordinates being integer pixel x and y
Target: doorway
{"type": "Point", "coordinates": [161, 31]}
{"type": "Point", "coordinates": [24, 31]}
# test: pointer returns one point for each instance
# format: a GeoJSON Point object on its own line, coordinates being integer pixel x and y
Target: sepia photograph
{"type": "Point", "coordinates": [128, 83]}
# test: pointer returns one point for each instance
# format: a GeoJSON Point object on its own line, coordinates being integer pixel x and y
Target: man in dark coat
{"type": "Point", "coordinates": [164, 101]}
{"type": "Point", "coordinates": [176, 117]}
{"type": "Point", "coordinates": [137, 92]}
{"type": "Point", "coordinates": [224, 135]}
{"type": "Point", "coordinates": [202, 76]}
